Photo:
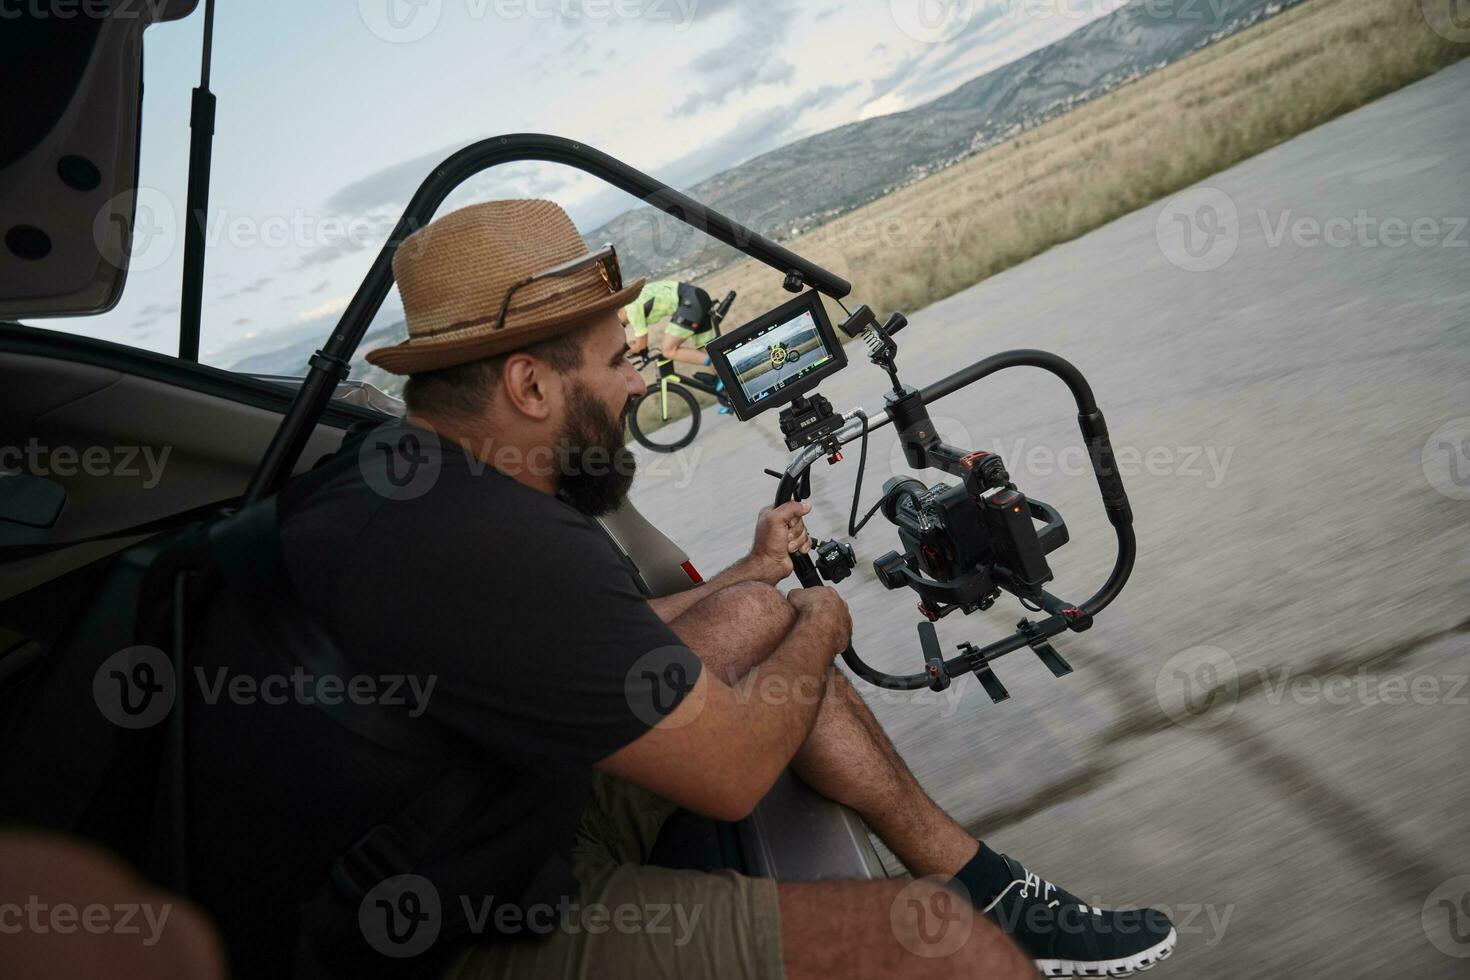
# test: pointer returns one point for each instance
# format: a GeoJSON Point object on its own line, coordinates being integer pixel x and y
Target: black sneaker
{"type": "Point", "coordinates": [1066, 937]}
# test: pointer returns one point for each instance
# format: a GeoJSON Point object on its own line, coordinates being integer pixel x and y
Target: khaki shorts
{"type": "Point", "coordinates": [639, 921]}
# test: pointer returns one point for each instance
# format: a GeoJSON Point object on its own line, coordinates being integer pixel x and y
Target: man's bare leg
{"type": "Point", "coordinates": [847, 757]}
{"type": "Point", "coordinates": [882, 929]}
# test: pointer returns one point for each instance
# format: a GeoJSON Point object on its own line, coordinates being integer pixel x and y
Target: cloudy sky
{"type": "Point", "coordinates": [331, 113]}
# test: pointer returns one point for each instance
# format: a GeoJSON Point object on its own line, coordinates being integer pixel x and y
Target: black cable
{"type": "Point", "coordinates": [914, 496]}
{"type": "Point", "coordinates": [853, 524]}
{"type": "Point", "coordinates": [866, 517]}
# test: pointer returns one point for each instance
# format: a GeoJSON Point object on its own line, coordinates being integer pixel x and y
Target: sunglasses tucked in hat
{"type": "Point", "coordinates": [496, 277]}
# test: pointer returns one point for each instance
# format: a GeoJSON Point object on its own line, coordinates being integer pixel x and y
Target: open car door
{"type": "Point", "coordinates": [71, 100]}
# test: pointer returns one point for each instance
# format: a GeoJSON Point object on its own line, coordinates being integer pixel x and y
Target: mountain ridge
{"type": "Point", "coordinates": [791, 189]}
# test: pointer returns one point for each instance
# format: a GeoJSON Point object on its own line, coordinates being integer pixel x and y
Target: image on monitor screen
{"type": "Point", "coordinates": [777, 356]}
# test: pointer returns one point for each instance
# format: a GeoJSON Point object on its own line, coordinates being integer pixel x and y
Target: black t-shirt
{"type": "Point", "coordinates": [502, 617]}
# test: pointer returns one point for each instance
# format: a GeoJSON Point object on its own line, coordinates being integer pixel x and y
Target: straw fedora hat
{"type": "Point", "coordinates": [493, 278]}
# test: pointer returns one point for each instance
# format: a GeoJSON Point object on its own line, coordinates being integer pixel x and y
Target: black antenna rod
{"type": "Point", "coordinates": [196, 212]}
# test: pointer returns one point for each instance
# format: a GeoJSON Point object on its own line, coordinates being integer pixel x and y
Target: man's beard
{"type": "Point", "coordinates": [596, 465]}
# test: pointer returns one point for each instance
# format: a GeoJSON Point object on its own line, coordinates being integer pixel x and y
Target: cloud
{"type": "Point", "coordinates": [824, 96]}
{"type": "Point", "coordinates": [737, 70]}
{"type": "Point", "coordinates": [371, 206]}
{"type": "Point", "coordinates": [883, 105]}
{"type": "Point", "coordinates": [151, 314]}
{"type": "Point", "coordinates": [252, 287]}
{"type": "Point", "coordinates": [930, 71]}
{"type": "Point", "coordinates": [323, 309]}
{"type": "Point", "coordinates": [753, 134]}
{"type": "Point", "coordinates": [392, 186]}
{"type": "Point", "coordinates": [387, 185]}
{"type": "Point", "coordinates": [747, 61]}
{"type": "Point", "coordinates": [328, 253]}
{"type": "Point", "coordinates": [575, 48]}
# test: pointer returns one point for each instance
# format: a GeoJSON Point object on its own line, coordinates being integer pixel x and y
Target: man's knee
{"type": "Point", "coordinates": [739, 626]}
{"type": "Point", "coordinates": [669, 344]}
{"type": "Point", "coordinates": [759, 615]}
{"type": "Point", "coordinates": [761, 602]}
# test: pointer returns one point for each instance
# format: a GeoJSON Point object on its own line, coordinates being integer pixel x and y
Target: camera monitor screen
{"type": "Point", "coordinates": [778, 356]}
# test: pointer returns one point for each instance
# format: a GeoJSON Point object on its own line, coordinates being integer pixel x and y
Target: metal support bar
{"type": "Point", "coordinates": [290, 438]}
{"type": "Point", "coordinates": [196, 208]}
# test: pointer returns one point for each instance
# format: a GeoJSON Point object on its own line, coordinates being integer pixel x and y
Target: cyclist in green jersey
{"type": "Point", "coordinates": [685, 306]}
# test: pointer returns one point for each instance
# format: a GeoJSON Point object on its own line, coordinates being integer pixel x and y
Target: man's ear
{"type": "Point", "coordinates": [530, 387]}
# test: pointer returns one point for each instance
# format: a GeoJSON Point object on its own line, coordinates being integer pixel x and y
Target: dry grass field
{"type": "Point", "coordinates": [1116, 154]}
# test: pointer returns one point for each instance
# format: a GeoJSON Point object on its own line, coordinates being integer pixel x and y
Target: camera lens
{"type": "Point", "coordinates": [893, 498]}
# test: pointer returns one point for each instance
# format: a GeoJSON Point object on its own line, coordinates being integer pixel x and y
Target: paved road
{"type": "Point", "coordinates": [1267, 733]}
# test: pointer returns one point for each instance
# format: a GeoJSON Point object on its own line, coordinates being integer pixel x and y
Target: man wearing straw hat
{"type": "Point", "coordinates": [585, 712]}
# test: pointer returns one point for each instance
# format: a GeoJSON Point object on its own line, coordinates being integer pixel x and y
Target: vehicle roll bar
{"type": "Point", "coordinates": [331, 363]}
{"type": "Point", "coordinates": [1115, 500]}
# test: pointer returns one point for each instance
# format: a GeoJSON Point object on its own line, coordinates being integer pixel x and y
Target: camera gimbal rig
{"type": "Point", "coordinates": [963, 544]}
{"type": "Point", "coordinates": [812, 429]}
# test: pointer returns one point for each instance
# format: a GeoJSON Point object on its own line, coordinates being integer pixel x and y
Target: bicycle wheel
{"type": "Point", "coordinates": [665, 418]}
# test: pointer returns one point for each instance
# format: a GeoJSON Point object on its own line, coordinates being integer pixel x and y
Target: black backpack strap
{"type": "Point", "coordinates": [247, 548]}
{"type": "Point", "coordinates": [395, 847]}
